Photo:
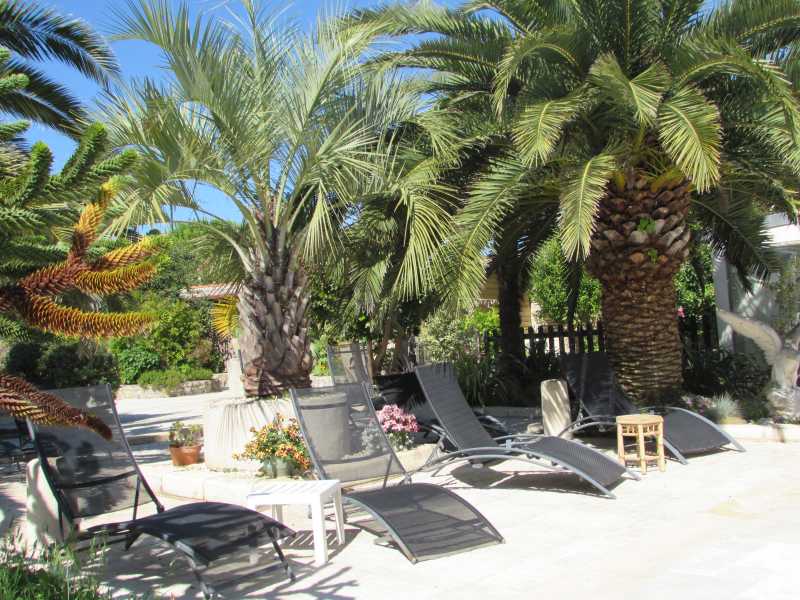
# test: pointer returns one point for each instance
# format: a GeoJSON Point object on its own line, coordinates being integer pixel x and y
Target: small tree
{"type": "Point", "coordinates": [38, 270]}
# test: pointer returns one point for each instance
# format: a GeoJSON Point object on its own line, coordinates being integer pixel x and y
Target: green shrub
{"type": "Point", "coordinates": [134, 357]}
{"type": "Point", "coordinates": [58, 363]}
{"type": "Point", "coordinates": [169, 379]}
{"type": "Point", "coordinates": [549, 290]}
{"type": "Point", "coordinates": [180, 337]}
{"type": "Point", "coordinates": [716, 372]}
{"type": "Point", "coordinates": [53, 575]}
{"type": "Point", "coordinates": [22, 358]}
{"type": "Point", "coordinates": [319, 350]}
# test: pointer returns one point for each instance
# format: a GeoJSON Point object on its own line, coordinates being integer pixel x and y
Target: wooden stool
{"type": "Point", "coordinates": [641, 426]}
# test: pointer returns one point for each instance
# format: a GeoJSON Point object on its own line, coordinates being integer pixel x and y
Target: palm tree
{"type": "Point", "coordinates": [465, 52]}
{"type": "Point", "coordinates": [35, 33]}
{"type": "Point", "coordinates": [644, 122]}
{"type": "Point", "coordinates": [289, 130]}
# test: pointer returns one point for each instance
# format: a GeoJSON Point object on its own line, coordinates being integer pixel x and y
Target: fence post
{"type": "Point", "coordinates": [561, 349]}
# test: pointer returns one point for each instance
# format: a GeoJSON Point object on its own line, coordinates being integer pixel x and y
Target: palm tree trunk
{"type": "Point", "coordinates": [641, 241]}
{"type": "Point", "coordinates": [642, 338]}
{"type": "Point", "coordinates": [511, 360]}
{"type": "Point", "coordinates": [273, 328]}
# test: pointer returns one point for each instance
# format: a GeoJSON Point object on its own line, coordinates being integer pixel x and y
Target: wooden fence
{"type": "Point", "coordinates": [696, 333]}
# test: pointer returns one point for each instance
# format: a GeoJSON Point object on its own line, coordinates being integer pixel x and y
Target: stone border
{"type": "Point", "coordinates": [202, 484]}
{"type": "Point", "coordinates": [187, 388]}
{"type": "Point", "coordinates": [776, 432]}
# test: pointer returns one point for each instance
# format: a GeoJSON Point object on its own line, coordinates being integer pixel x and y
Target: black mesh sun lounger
{"type": "Point", "coordinates": [347, 364]}
{"type": "Point", "coordinates": [474, 444]}
{"type": "Point", "coordinates": [346, 442]}
{"type": "Point", "coordinates": [600, 400]}
{"type": "Point", "coordinates": [90, 476]}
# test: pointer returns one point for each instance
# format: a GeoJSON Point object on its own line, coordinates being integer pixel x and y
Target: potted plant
{"type": "Point", "coordinates": [185, 443]}
{"type": "Point", "coordinates": [399, 426]}
{"type": "Point", "coordinates": [279, 447]}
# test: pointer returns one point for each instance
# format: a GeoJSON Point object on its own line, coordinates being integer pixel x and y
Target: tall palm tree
{"type": "Point", "coordinates": [465, 53]}
{"type": "Point", "coordinates": [638, 120]}
{"type": "Point", "coordinates": [35, 33]}
{"type": "Point", "coordinates": [287, 128]}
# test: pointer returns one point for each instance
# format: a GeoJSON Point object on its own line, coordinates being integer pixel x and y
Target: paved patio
{"type": "Point", "coordinates": [726, 526]}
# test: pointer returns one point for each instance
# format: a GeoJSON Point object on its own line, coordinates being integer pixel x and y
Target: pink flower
{"type": "Point", "coordinates": [394, 419]}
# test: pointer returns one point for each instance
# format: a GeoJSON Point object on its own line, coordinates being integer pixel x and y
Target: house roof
{"type": "Point", "coordinates": [211, 291]}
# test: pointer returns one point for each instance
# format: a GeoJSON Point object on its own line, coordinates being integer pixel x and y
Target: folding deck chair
{"type": "Point", "coordinates": [346, 442]}
{"type": "Point", "coordinates": [473, 444]}
{"type": "Point", "coordinates": [90, 476]}
{"type": "Point", "coordinates": [346, 363]}
{"type": "Point", "coordinates": [600, 400]}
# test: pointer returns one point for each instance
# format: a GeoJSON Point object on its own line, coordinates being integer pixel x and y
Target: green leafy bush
{"type": "Point", "coordinates": [134, 357]}
{"type": "Point", "coordinates": [181, 337]}
{"type": "Point", "coordinates": [169, 379]}
{"type": "Point", "coordinates": [59, 363]}
{"type": "Point", "coordinates": [456, 339]}
{"type": "Point", "coordinates": [55, 574]}
{"type": "Point", "coordinates": [550, 292]}
{"type": "Point", "coordinates": [718, 372]}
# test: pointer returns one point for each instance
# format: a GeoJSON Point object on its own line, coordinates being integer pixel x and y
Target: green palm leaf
{"type": "Point", "coordinates": [690, 132]}
{"type": "Point", "coordinates": [540, 126]}
{"type": "Point", "coordinates": [642, 94]}
{"type": "Point", "coordinates": [579, 201]}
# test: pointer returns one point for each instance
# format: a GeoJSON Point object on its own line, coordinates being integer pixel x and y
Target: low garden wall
{"type": "Point", "coordinates": [187, 388]}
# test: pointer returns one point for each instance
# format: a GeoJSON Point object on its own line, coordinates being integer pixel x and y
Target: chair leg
{"type": "Point", "coordinates": [208, 591]}
{"type": "Point", "coordinates": [130, 540]}
{"type": "Point", "coordinates": [282, 558]}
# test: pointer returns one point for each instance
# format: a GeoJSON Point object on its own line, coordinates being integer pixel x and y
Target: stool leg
{"type": "Point", "coordinates": [642, 459]}
{"type": "Point", "coordinates": [662, 463]}
{"type": "Point", "coordinates": [620, 445]}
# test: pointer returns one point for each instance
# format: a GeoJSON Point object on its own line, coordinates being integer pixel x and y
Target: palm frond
{"type": "Point", "coordinates": [689, 130]}
{"type": "Point", "coordinates": [579, 201]}
{"type": "Point", "coordinates": [642, 94]}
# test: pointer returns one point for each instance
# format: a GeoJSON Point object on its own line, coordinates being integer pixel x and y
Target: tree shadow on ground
{"type": "Point", "coordinates": [153, 569]}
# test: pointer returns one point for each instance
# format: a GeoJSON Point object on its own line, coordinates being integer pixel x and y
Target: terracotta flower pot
{"type": "Point", "coordinates": [185, 455]}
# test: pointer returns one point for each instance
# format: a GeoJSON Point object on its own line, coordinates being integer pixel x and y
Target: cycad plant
{"type": "Point", "coordinates": [47, 234]}
{"type": "Point", "coordinates": [294, 137]}
{"type": "Point", "coordinates": [638, 119]}
{"type": "Point", "coordinates": [35, 33]}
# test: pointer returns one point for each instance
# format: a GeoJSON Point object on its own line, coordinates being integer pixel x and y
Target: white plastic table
{"type": "Point", "coordinates": [314, 494]}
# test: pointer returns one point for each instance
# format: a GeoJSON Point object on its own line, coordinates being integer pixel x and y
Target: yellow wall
{"type": "Point", "coordinates": [489, 295]}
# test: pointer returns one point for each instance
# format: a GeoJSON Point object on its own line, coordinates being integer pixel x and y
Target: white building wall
{"type": "Point", "coordinates": [760, 303]}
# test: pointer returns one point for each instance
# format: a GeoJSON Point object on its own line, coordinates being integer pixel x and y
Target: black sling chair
{"type": "Point", "coordinates": [90, 476]}
{"type": "Point", "coordinates": [600, 400]}
{"type": "Point", "coordinates": [346, 442]}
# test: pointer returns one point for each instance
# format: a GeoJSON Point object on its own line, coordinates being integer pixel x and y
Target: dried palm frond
{"type": "Point", "coordinates": [24, 401]}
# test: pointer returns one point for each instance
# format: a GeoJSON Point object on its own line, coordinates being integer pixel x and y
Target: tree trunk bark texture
{"type": "Point", "coordinates": [641, 240]}
{"type": "Point", "coordinates": [511, 360]}
{"type": "Point", "coordinates": [273, 328]}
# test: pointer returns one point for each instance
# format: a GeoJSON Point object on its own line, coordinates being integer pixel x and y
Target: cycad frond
{"type": "Point", "coordinates": [23, 401]}
{"type": "Point", "coordinates": [115, 281]}
{"type": "Point", "coordinates": [43, 313]}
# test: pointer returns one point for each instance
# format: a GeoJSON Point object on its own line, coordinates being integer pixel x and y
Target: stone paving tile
{"type": "Point", "coordinates": [725, 526]}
